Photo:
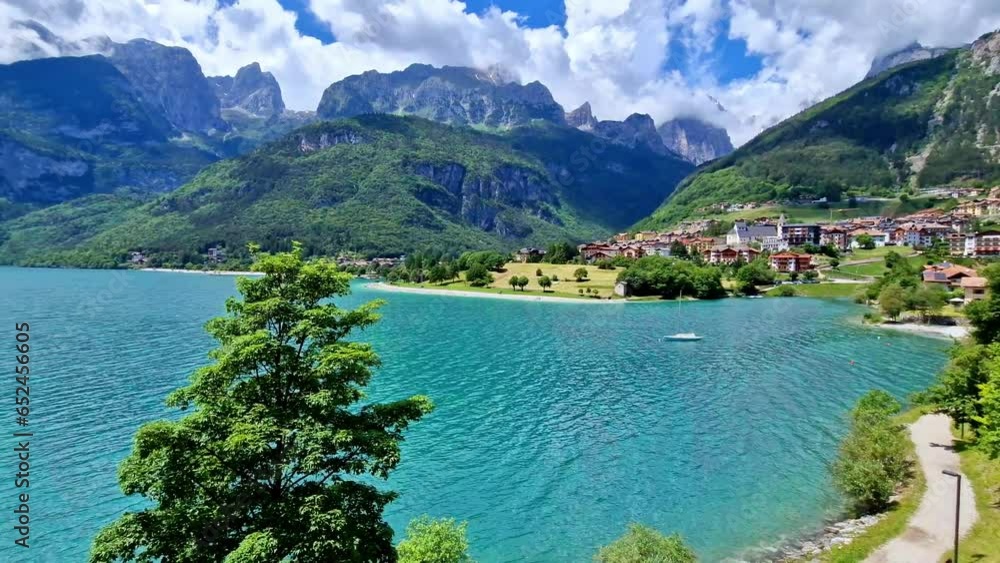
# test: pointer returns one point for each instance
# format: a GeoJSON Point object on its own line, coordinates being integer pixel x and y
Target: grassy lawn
{"type": "Point", "coordinates": [878, 268]}
{"type": "Point", "coordinates": [601, 281]}
{"type": "Point", "coordinates": [982, 545]}
{"type": "Point", "coordinates": [862, 254]}
{"type": "Point", "coordinates": [824, 290]}
{"type": "Point", "coordinates": [894, 522]}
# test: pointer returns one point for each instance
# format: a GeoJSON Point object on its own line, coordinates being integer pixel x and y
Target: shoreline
{"type": "Point", "coordinates": [382, 286]}
{"type": "Point", "coordinates": [953, 332]}
{"type": "Point", "coordinates": [200, 272]}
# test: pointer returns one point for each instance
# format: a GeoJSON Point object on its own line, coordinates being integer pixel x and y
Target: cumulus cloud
{"type": "Point", "coordinates": [613, 54]}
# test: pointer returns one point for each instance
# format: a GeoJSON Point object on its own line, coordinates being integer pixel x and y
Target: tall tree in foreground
{"type": "Point", "coordinates": [260, 467]}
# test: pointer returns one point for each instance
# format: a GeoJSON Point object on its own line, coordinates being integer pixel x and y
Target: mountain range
{"type": "Point", "coordinates": [136, 149]}
{"type": "Point", "coordinates": [930, 122]}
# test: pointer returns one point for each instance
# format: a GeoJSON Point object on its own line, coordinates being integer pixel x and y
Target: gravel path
{"type": "Point", "coordinates": [930, 533]}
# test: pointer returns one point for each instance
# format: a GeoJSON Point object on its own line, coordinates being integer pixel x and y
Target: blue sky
{"type": "Point", "coordinates": [762, 60]}
{"type": "Point", "coordinates": [728, 58]}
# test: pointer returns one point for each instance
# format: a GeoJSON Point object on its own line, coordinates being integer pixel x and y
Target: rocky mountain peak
{"type": "Point", "coordinates": [986, 52]}
{"type": "Point", "coordinates": [454, 95]}
{"type": "Point", "coordinates": [251, 90]}
{"type": "Point", "coordinates": [638, 130]}
{"type": "Point", "coordinates": [695, 140]}
{"type": "Point", "coordinates": [582, 118]}
{"type": "Point", "coordinates": [912, 52]}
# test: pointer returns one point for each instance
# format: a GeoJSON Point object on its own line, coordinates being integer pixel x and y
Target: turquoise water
{"type": "Point", "coordinates": [556, 424]}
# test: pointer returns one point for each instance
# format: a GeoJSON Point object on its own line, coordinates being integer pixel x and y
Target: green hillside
{"type": "Point", "coordinates": [379, 185]}
{"type": "Point", "coordinates": [922, 124]}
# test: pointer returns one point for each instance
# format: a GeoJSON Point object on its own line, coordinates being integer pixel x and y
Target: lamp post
{"type": "Point", "coordinates": [958, 504]}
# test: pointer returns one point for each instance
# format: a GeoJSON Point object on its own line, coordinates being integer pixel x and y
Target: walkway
{"type": "Point", "coordinates": [930, 533]}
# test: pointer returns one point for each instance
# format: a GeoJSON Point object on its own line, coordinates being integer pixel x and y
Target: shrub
{"type": "Point", "coordinates": [434, 541]}
{"type": "Point", "coordinates": [642, 544]}
{"type": "Point", "coordinates": [784, 291]}
{"type": "Point", "coordinates": [873, 459]}
{"type": "Point", "coordinates": [478, 276]}
{"type": "Point", "coordinates": [580, 274]}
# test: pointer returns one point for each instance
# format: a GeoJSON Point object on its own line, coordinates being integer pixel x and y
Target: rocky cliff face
{"type": "Point", "coordinates": [986, 53]}
{"type": "Point", "coordinates": [251, 90]}
{"type": "Point", "coordinates": [480, 201]}
{"type": "Point", "coordinates": [454, 95]}
{"type": "Point", "coordinates": [169, 80]}
{"type": "Point", "coordinates": [908, 54]}
{"type": "Point", "coordinates": [695, 140]}
{"type": "Point", "coordinates": [582, 118]}
{"type": "Point", "coordinates": [638, 130]}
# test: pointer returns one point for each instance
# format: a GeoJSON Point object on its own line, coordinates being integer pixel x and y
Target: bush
{"type": "Point", "coordinates": [434, 541]}
{"type": "Point", "coordinates": [580, 274]}
{"type": "Point", "coordinates": [873, 317]}
{"type": "Point", "coordinates": [784, 291]}
{"type": "Point", "coordinates": [873, 459]}
{"type": "Point", "coordinates": [642, 544]}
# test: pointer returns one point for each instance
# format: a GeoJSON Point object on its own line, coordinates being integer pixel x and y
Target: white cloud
{"type": "Point", "coordinates": [611, 53]}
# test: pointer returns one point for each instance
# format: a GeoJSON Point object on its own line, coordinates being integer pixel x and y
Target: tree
{"type": "Point", "coordinates": [793, 276]}
{"type": "Point", "coordinates": [561, 253]}
{"type": "Point", "coordinates": [434, 541]}
{"type": "Point", "coordinates": [756, 273]}
{"type": "Point", "coordinates": [670, 277]}
{"type": "Point", "coordinates": [478, 276]}
{"type": "Point", "coordinates": [522, 282]}
{"type": "Point", "coordinates": [872, 460]}
{"type": "Point", "coordinates": [642, 544]}
{"type": "Point", "coordinates": [984, 315]}
{"type": "Point", "coordinates": [892, 301]}
{"type": "Point", "coordinates": [513, 281]}
{"type": "Point", "coordinates": [538, 272]}
{"type": "Point", "coordinates": [834, 263]}
{"type": "Point", "coordinates": [260, 466]}
{"type": "Point", "coordinates": [866, 241]}
{"type": "Point", "coordinates": [927, 300]}
{"type": "Point", "coordinates": [678, 250]}
{"type": "Point", "coordinates": [545, 282]}
{"type": "Point", "coordinates": [580, 274]}
{"type": "Point", "coordinates": [810, 275]}
{"type": "Point", "coordinates": [437, 274]}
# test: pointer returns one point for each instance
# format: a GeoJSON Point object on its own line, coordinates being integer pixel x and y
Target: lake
{"type": "Point", "coordinates": [556, 423]}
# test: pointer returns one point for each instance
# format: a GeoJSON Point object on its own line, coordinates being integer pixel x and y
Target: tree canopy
{"type": "Point", "coordinates": [275, 456]}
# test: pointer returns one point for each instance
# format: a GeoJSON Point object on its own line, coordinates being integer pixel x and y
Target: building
{"type": "Point", "coordinates": [834, 236]}
{"type": "Point", "coordinates": [595, 252]}
{"type": "Point", "coordinates": [217, 254]}
{"type": "Point", "coordinates": [947, 274]}
{"type": "Point", "coordinates": [646, 235]}
{"type": "Point", "coordinates": [987, 243]}
{"type": "Point", "coordinates": [726, 254]}
{"type": "Point", "coordinates": [881, 239]}
{"type": "Point", "coordinates": [800, 234]}
{"type": "Point", "coordinates": [137, 257]}
{"type": "Point", "coordinates": [791, 262]}
{"type": "Point", "coordinates": [975, 288]}
{"type": "Point", "coordinates": [743, 233]}
{"type": "Point", "coordinates": [529, 255]}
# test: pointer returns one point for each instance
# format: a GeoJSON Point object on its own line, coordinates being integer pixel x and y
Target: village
{"type": "Point", "coordinates": [786, 245]}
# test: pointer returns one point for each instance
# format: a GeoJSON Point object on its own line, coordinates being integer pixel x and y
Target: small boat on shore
{"type": "Point", "coordinates": [682, 337]}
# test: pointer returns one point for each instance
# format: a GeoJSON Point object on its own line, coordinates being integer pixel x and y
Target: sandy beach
{"type": "Point", "coordinates": [201, 272]}
{"type": "Point", "coordinates": [938, 331]}
{"type": "Point", "coordinates": [381, 286]}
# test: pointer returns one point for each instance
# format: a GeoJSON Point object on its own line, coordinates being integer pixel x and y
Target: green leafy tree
{"type": "Point", "coordinates": [873, 457]}
{"type": "Point", "coordinates": [984, 315]}
{"type": "Point", "coordinates": [438, 273]}
{"type": "Point", "coordinates": [523, 282]}
{"type": "Point", "coordinates": [810, 275]}
{"type": "Point", "coordinates": [260, 467]}
{"type": "Point", "coordinates": [794, 276]}
{"type": "Point", "coordinates": [866, 241]}
{"type": "Point", "coordinates": [928, 301]}
{"type": "Point", "coordinates": [834, 263]}
{"type": "Point", "coordinates": [538, 272]}
{"type": "Point", "coordinates": [561, 253]}
{"type": "Point", "coordinates": [670, 277]}
{"type": "Point", "coordinates": [956, 390]}
{"type": "Point", "coordinates": [434, 541]}
{"type": "Point", "coordinates": [892, 301]}
{"type": "Point", "coordinates": [513, 281]}
{"type": "Point", "coordinates": [478, 276]}
{"type": "Point", "coordinates": [642, 544]}
{"type": "Point", "coordinates": [678, 250]}
{"type": "Point", "coordinates": [545, 283]}
{"type": "Point", "coordinates": [580, 274]}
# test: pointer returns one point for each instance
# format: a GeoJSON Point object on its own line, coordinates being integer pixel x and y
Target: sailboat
{"type": "Point", "coordinates": [682, 336]}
